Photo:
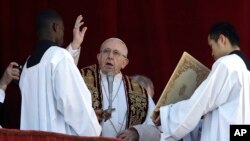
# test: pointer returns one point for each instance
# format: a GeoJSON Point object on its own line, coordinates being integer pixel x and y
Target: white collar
{"type": "Point", "coordinates": [117, 76]}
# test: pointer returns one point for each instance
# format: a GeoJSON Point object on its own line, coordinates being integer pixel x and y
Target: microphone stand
{"type": "Point", "coordinates": [110, 79]}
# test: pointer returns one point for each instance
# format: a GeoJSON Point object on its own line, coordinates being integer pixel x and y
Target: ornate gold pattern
{"type": "Point", "coordinates": [136, 95]}
{"type": "Point", "coordinates": [187, 76]}
{"type": "Point", "coordinates": [138, 102]}
{"type": "Point", "coordinates": [91, 79]}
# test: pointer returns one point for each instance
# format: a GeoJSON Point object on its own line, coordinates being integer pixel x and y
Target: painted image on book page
{"type": "Point", "coordinates": [187, 76]}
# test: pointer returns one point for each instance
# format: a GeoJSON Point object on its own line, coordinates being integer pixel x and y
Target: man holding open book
{"type": "Point", "coordinates": [222, 98]}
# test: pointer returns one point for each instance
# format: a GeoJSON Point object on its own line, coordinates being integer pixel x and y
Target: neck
{"type": "Point", "coordinates": [103, 72]}
{"type": "Point", "coordinates": [233, 48]}
{"type": "Point", "coordinates": [44, 36]}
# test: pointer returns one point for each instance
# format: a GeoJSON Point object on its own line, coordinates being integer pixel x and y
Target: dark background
{"type": "Point", "coordinates": [156, 33]}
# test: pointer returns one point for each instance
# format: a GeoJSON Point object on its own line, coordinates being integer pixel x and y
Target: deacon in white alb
{"type": "Point", "coordinates": [223, 98]}
{"type": "Point", "coordinates": [54, 96]}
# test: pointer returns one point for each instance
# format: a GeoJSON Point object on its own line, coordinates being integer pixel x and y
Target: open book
{"type": "Point", "coordinates": [187, 76]}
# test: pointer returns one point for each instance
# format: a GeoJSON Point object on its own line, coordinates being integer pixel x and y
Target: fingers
{"type": "Point", "coordinates": [157, 121]}
{"type": "Point", "coordinates": [78, 25]}
{"type": "Point", "coordinates": [130, 134]}
{"type": "Point", "coordinates": [120, 134]}
{"type": "Point", "coordinates": [78, 22]}
{"type": "Point", "coordinates": [106, 115]}
{"type": "Point", "coordinates": [13, 64]}
{"type": "Point", "coordinates": [102, 114]}
{"type": "Point", "coordinates": [78, 35]}
{"type": "Point", "coordinates": [15, 73]}
{"type": "Point", "coordinates": [157, 110]}
{"type": "Point", "coordinates": [99, 113]}
{"type": "Point", "coordinates": [84, 29]}
{"type": "Point", "coordinates": [79, 18]}
{"type": "Point", "coordinates": [9, 74]}
{"type": "Point", "coordinates": [12, 71]}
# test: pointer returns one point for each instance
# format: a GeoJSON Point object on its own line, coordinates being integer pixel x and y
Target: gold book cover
{"type": "Point", "coordinates": [187, 76]}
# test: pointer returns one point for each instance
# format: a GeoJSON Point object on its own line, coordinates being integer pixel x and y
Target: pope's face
{"type": "Point", "coordinates": [112, 56]}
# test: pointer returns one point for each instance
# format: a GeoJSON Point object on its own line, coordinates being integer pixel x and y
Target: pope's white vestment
{"type": "Point", "coordinates": [118, 119]}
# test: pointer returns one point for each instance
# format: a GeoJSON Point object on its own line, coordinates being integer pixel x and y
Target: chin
{"type": "Point", "coordinates": [105, 71]}
{"type": "Point", "coordinates": [108, 69]}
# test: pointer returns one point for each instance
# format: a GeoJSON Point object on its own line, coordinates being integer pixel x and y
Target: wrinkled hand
{"type": "Point", "coordinates": [99, 115]}
{"type": "Point", "coordinates": [157, 120]}
{"type": "Point", "coordinates": [10, 73]}
{"type": "Point", "coordinates": [106, 115]}
{"type": "Point", "coordinates": [78, 35]}
{"type": "Point", "coordinates": [130, 134]}
{"type": "Point", "coordinates": [102, 114]}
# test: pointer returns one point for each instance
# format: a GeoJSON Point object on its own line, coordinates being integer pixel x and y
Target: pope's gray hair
{"type": "Point", "coordinates": [117, 39]}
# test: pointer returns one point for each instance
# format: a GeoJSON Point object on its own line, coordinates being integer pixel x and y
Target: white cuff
{"type": "Point", "coordinates": [2, 95]}
{"type": "Point", "coordinates": [148, 132]}
{"type": "Point", "coordinates": [73, 52]}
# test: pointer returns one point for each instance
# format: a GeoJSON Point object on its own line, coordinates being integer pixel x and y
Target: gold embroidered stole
{"type": "Point", "coordinates": [137, 98]}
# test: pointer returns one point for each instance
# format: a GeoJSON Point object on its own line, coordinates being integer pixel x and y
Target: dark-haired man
{"type": "Point", "coordinates": [54, 96]}
{"type": "Point", "coordinates": [223, 98]}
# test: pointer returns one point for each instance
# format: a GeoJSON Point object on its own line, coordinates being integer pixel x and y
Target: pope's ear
{"type": "Point", "coordinates": [98, 56]}
{"type": "Point", "coordinates": [125, 63]}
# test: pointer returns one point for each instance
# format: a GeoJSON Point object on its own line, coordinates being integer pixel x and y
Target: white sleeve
{"type": "Point", "coordinates": [147, 131]}
{"type": "Point", "coordinates": [75, 53]}
{"type": "Point", "coordinates": [181, 118]}
{"type": "Point", "coordinates": [151, 107]}
{"type": "Point", "coordinates": [2, 95]}
{"type": "Point", "coordinates": [74, 99]}
{"type": "Point", "coordinates": [194, 135]}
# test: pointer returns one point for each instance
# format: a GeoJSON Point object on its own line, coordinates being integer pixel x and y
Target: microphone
{"type": "Point", "coordinates": [110, 79]}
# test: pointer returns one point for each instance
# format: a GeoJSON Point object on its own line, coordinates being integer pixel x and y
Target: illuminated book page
{"type": "Point", "coordinates": [187, 76]}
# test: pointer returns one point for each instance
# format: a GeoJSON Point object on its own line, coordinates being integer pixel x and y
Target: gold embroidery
{"type": "Point", "coordinates": [138, 103]}
{"type": "Point", "coordinates": [90, 77]}
{"type": "Point", "coordinates": [136, 95]}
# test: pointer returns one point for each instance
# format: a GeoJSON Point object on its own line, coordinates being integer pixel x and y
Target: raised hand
{"type": "Point", "coordinates": [78, 35]}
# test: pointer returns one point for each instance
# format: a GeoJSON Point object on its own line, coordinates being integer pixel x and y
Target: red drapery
{"type": "Point", "coordinates": [155, 31]}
